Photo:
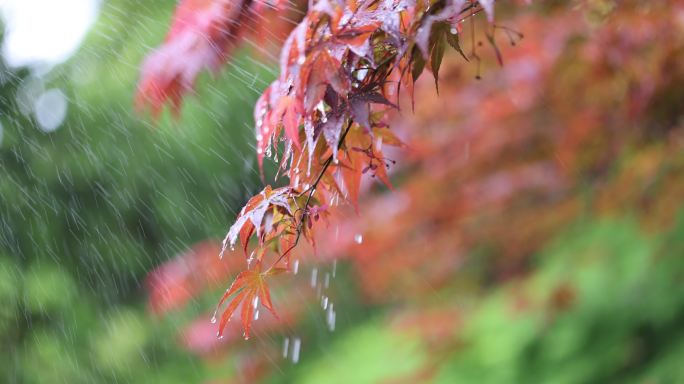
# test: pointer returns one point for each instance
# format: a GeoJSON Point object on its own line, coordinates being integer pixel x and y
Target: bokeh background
{"type": "Point", "coordinates": [535, 234]}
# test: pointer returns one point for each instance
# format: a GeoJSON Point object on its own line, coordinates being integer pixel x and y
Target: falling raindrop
{"type": "Point", "coordinates": [326, 280]}
{"type": "Point", "coordinates": [296, 347]}
{"type": "Point", "coordinates": [314, 277]}
{"type": "Point", "coordinates": [330, 317]}
{"type": "Point", "coordinates": [295, 267]}
{"type": "Point", "coordinates": [286, 347]}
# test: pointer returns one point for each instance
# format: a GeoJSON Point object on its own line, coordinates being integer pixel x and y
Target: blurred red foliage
{"type": "Point", "coordinates": [203, 35]}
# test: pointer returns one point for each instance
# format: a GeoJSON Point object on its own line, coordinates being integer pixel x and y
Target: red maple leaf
{"type": "Point", "coordinates": [250, 289]}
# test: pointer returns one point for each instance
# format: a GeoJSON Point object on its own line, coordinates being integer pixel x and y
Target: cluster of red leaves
{"type": "Point", "coordinates": [341, 69]}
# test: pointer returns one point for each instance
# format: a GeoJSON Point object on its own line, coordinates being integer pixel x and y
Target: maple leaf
{"type": "Point", "coordinates": [322, 70]}
{"type": "Point", "coordinates": [251, 218]}
{"type": "Point", "coordinates": [249, 289]}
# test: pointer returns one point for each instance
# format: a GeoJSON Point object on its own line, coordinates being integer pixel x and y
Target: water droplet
{"type": "Point", "coordinates": [453, 30]}
{"type": "Point", "coordinates": [358, 238]}
{"type": "Point", "coordinates": [213, 319]}
{"type": "Point", "coordinates": [295, 267]}
{"type": "Point", "coordinates": [301, 59]}
{"type": "Point", "coordinates": [324, 302]}
{"type": "Point", "coordinates": [256, 315]}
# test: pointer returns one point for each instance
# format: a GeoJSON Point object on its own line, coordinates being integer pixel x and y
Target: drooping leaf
{"type": "Point", "coordinates": [418, 65]}
{"type": "Point", "coordinates": [250, 289]}
{"type": "Point", "coordinates": [436, 55]}
{"type": "Point", "coordinates": [454, 40]}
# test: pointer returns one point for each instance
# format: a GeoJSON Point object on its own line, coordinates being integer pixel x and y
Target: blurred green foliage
{"type": "Point", "coordinates": [89, 209]}
{"type": "Point", "coordinates": [606, 305]}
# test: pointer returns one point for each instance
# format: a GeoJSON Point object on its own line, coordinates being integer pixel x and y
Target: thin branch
{"type": "Point", "coordinates": [312, 190]}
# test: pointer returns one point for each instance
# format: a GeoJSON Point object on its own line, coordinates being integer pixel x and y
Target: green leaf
{"type": "Point", "coordinates": [437, 54]}
{"type": "Point", "coordinates": [454, 40]}
{"type": "Point", "coordinates": [418, 64]}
